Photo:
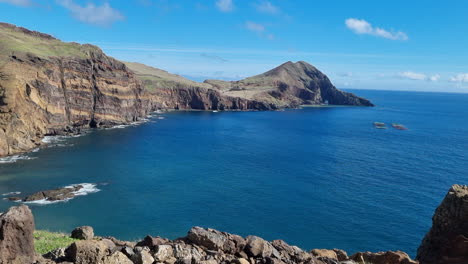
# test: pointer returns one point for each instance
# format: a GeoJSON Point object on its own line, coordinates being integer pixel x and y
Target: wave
{"type": "Point", "coordinates": [87, 189]}
{"type": "Point", "coordinates": [11, 193]}
{"type": "Point", "coordinates": [15, 158]}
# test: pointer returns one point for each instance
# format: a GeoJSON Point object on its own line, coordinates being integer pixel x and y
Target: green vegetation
{"type": "Point", "coordinates": [154, 78]}
{"type": "Point", "coordinates": [45, 241]}
{"type": "Point", "coordinates": [14, 41]}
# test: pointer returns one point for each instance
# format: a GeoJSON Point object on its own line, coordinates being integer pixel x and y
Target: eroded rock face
{"type": "Point", "coordinates": [389, 257]}
{"type": "Point", "coordinates": [447, 240]}
{"type": "Point", "coordinates": [16, 236]}
{"type": "Point", "coordinates": [48, 96]}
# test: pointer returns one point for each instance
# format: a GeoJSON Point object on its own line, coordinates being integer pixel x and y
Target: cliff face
{"type": "Point", "coordinates": [41, 94]}
{"type": "Point", "coordinates": [447, 240]}
{"type": "Point", "coordinates": [289, 85]}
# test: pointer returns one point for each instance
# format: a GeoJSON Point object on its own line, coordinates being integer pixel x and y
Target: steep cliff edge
{"type": "Point", "coordinates": [447, 240]}
{"type": "Point", "coordinates": [49, 87]}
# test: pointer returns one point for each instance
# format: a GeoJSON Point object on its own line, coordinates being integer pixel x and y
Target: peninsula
{"type": "Point", "coordinates": [49, 87]}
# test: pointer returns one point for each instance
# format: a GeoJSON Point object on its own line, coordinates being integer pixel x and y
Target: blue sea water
{"type": "Point", "coordinates": [314, 177]}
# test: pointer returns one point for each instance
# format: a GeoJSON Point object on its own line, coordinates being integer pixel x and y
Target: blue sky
{"type": "Point", "coordinates": [391, 45]}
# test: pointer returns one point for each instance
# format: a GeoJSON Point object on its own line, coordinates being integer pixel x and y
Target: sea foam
{"type": "Point", "coordinates": [87, 189]}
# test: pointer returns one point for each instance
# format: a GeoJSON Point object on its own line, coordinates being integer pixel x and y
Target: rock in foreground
{"type": "Point", "coordinates": [16, 236]}
{"type": "Point", "coordinates": [447, 240]}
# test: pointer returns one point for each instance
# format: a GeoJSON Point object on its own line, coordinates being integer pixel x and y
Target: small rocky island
{"type": "Point", "coordinates": [55, 195]}
{"type": "Point", "coordinates": [445, 243]}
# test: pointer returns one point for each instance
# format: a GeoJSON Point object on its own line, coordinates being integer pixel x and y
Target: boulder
{"type": "Point", "coordinates": [447, 240]}
{"type": "Point", "coordinates": [389, 257]}
{"type": "Point", "coordinates": [327, 253]}
{"type": "Point", "coordinates": [257, 247]}
{"type": "Point", "coordinates": [117, 258]}
{"type": "Point", "coordinates": [56, 254]}
{"type": "Point", "coordinates": [142, 257]}
{"type": "Point", "coordinates": [16, 236]}
{"type": "Point", "coordinates": [211, 239]}
{"type": "Point", "coordinates": [152, 242]}
{"type": "Point", "coordinates": [208, 238]}
{"type": "Point", "coordinates": [83, 233]}
{"type": "Point", "coordinates": [163, 253]}
{"type": "Point", "coordinates": [86, 251]}
{"type": "Point", "coordinates": [341, 255]}
{"type": "Point", "coordinates": [292, 253]}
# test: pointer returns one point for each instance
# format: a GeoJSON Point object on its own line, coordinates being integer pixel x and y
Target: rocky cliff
{"type": "Point", "coordinates": [48, 87]}
{"type": "Point", "coordinates": [447, 240]}
{"type": "Point", "coordinates": [289, 85]}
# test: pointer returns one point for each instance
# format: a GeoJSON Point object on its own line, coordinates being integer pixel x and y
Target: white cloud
{"type": "Point", "coordinates": [267, 7]}
{"type": "Point", "coordinates": [361, 26]}
{"type": "Point", "coordinates": [419, 76]}
{"type": "Point", "coordinates": [434, 78]}
{"type": "Point", "coordinates": [225, 5]}
{"type": "Point", "coordinates": [18, 2]}
{"type": "Point", "coordinates": [461, 78]}
{"type": "Point", "coordinates": [413, 75]}
{"type": "Point", "coordinates": [255, 27]}
{"type": "Point", "coordinates": [97, 15]}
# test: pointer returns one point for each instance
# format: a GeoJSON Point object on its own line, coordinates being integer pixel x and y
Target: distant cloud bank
{"type": "Point", "coordinates": [362, 27]}
{"type": "Point", "coordinates": [461, 78]}
{"type": "Point", "coordinates": [419, 76]}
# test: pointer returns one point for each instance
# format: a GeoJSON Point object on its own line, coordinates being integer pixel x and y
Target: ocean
{"type": "Point", "coordinates": [317, 177]}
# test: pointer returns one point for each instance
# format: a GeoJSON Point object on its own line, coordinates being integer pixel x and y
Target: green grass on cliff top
{"type": "Point", "coordinates": [45, 241]}
{"type": "Point", "coordinates": [14, 41]}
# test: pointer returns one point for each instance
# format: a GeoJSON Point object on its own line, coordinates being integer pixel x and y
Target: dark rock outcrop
{"type": "Point", "coordinates": [83, 233]}
{"type": "Point", "coordinates": [59, 194]}
{"type": "Point", "coordinates": [447, 240]}
{"type": "Point", "coordinates": [16, 236]}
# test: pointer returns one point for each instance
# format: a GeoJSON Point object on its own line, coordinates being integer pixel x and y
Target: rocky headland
{"type": "Point", "coordinates": [49, 87]}
{"type": "Point", "coordinates": [445, 243]}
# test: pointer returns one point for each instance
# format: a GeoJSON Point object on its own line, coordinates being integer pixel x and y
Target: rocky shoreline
{"type": "Point", "coordinates": [445, 243]}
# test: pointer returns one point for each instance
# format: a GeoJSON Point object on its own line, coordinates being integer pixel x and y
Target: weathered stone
{"type": "Point", "coordinates": [447, 240]}
{"type": "Point", "coordinates": [16, 236]}
{"type": "Point", "coordinates": [240, 261]}
{"type": "Point", "coordinates": [56, 254]}
{"type": "Point", "coordinates": [163, 252]}
{"type": "Point", "coordinates": [208, 238]}
{"type": "Point", "coordinates": [389, 257]}
{"type": "Point", "coordinates": [142, 257]}
{"type": "Point", "coordinates": [86, 251]}
{"type": "Point", "coordinates": [83, 232]}
{"type": "Point", "coordinates": [152, 242]}
{"type": "Point", "coordinates": [257, 247]}
{"type": "Point", "coordinates": [117, 258]}
{"type": "Point", "coordinates": [324, 253]}
{"type": "Point", "coordinates": [341, 255]}
{"type": "Point", "coordinates": [128, 251]}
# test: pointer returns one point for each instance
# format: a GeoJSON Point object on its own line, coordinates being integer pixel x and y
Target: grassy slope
{"type": "Point", "coordinates": [45, 241]}
{"type": "Point", "coordinates": [14, 41]}
{"type": "Point", "coordinates": [154, 78]}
